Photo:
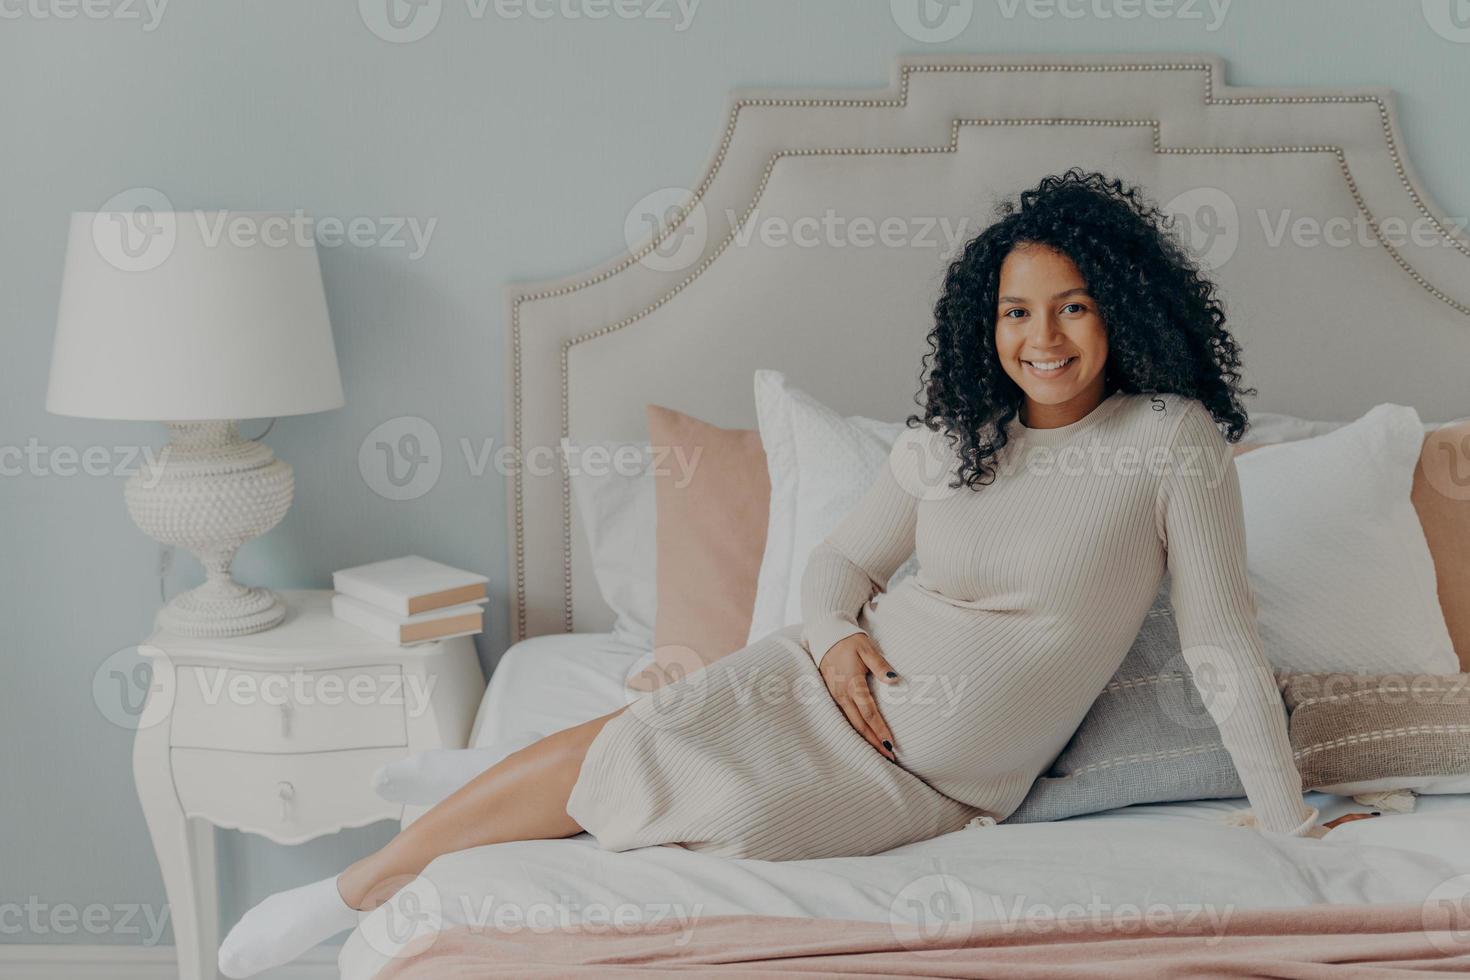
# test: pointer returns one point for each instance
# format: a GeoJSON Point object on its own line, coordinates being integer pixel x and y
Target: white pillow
{"type": "Point", "coordinates": [1337, 556]}
{"type": "Point", "coordinates": [613, 491]}
{"type": "Point", "coordinates": [1273, 427]}
{"type": "Point", "coordinates": [820, 465]}
{"type": "Point", "coordinates": [1338, 560]}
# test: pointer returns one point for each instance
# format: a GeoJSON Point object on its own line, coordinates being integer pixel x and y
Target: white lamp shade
{"type": "Point", "coordinates": [192, 316]}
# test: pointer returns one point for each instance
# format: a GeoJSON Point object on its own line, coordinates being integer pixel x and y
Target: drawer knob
{"type": "Point", "coordinates": [287, 793]}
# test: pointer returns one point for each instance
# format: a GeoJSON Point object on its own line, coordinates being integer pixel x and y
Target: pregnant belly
{"type": "Point", "coordinates": [979, 697]}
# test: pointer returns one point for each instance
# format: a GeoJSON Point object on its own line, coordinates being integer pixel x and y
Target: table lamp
{"type": "Point", "coordinates": [178, 317]}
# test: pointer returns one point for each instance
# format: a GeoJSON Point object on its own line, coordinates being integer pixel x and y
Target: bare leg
{"type": "Point", "coordinates": [522, 797]}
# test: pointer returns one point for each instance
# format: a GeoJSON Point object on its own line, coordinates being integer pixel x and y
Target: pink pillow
{"type": "Point", "coordinates": [713, 497]}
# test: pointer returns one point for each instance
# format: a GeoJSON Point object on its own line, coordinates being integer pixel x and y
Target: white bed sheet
{"type": "Point", "coordinates": [1177, 855]}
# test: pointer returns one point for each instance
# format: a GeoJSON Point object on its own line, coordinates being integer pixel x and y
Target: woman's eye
{"type": "Point", "coordinates": [1073, 308]}
{"type": "Point", "coordinates": [1015, 313]}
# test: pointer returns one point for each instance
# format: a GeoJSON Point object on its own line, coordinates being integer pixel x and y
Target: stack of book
{"type": "Point", "coordinates": [410, 600]}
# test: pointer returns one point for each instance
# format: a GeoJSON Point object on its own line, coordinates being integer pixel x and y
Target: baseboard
{"type": "Point", "coordinates": [57, 962]}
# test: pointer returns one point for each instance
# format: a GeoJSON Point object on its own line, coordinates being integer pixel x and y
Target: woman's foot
{"type": "Point", "coordinates": [284, 926]}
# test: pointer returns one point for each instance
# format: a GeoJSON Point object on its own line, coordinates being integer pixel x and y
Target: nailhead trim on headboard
{"type": "Point", "coordinates": [906, 71]}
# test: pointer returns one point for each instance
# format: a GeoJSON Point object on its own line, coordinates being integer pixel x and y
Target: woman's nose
{"type": "Point", "coordinates": [1042, 329]}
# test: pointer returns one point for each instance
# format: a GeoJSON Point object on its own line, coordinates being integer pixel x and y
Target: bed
{"type": "Point", "coordinates": [695, 307]}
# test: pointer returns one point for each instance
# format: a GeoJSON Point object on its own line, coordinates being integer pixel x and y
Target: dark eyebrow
{"type": "Point", "coordinates": [1066, 292]}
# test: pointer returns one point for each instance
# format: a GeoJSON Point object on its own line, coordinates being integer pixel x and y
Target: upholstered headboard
{"type": "Point", "coordinates": [816, 239]}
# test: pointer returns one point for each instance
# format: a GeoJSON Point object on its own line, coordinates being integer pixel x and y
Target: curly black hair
{"type": "Point", "coordinates": [1165, 326]}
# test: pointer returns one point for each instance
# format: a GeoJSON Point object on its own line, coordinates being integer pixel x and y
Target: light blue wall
{"type": "Point", "coordinates": [526, 141]}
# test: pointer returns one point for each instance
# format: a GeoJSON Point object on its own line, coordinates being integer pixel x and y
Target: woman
{"type": "Point", "coordinates": [1079, 370]}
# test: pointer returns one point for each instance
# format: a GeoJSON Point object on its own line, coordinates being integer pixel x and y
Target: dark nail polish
{"type": "Point", "coordinates": [1377, 814]}
{"type": "Point", "coordinates": [888, 745]}
{"type": "Point", "coordinates": [890, 674]}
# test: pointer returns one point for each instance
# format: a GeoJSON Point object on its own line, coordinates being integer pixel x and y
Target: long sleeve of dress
{"type": "Point", "coordinates": [1201, 521]}
{"type": "Point", "coordinates": [856, 560]}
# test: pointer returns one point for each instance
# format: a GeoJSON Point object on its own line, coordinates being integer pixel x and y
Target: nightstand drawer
{"type": "Point", "coordinates": [290, 710]}
{"type": "Point", "coordinates": [288, 798]}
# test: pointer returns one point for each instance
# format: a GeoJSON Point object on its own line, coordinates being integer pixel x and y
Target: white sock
{"type": "Point", "coordinates": [284, 926]}
{"type": "Point", "coordinates": [426, 778]}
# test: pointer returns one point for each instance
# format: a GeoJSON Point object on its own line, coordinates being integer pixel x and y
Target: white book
{"type": "Point", "coordinates": [436, 624]}
{"type": "Point", "coordinates": [410, 585]}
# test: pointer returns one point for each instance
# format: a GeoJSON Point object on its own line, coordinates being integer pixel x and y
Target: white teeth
{"type": "Point", "coordinates": [1049, 365]}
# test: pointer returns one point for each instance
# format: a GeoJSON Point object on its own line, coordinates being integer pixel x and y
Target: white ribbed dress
{"type": "Point", "coordinates": [1028, 596]}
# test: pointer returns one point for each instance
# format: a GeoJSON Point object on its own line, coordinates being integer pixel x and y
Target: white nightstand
{"type": "Point", "coordinates": [278, 733]}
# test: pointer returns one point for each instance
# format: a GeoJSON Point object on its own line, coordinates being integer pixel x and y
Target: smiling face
{"type": "Point", "coordinates": [1049, 336]}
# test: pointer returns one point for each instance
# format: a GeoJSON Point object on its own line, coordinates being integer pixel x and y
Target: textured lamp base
{"type": "Point", "coordinates": [210, 492]}
{"type": "Point", "coordinates": [211, 611]}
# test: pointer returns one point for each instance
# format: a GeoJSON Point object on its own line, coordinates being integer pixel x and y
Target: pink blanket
{"type": "Point", "coordinates": [1307, 942]}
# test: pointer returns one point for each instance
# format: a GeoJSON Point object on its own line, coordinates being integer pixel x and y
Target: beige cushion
{"type": "Point", "coordinates": [1353, 728]}
{"type": "Point", "coordinates": [1441, 496]}
{"type": "Point", "coordinates": [711, 535]}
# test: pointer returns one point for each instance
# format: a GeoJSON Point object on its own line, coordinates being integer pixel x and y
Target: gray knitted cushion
{"type": "Point", "coordinates": [1148, 738]}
